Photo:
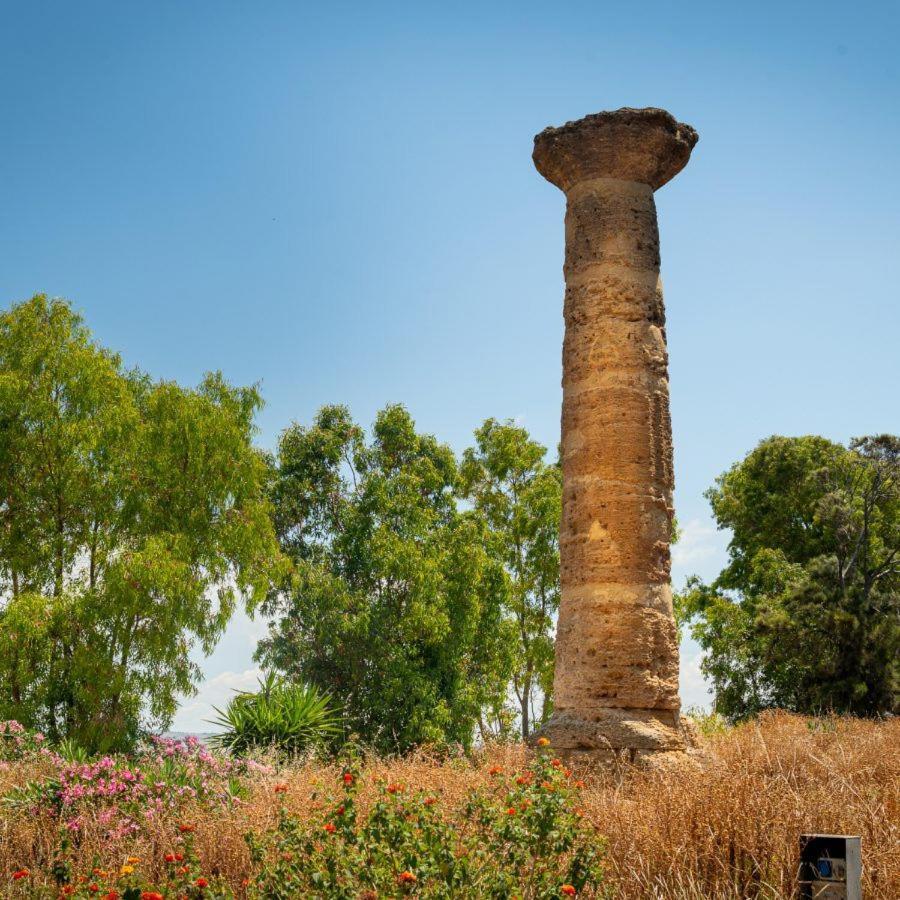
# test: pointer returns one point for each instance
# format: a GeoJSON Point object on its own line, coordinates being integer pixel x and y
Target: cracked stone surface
{"type": "Point", "coordinates": [616, 682]}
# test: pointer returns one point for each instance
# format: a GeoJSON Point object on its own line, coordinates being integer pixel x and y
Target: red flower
{"type": "Point", "coordinates": [406, 878]}
{"type": "Point", "coordinates": [20, 873]}
{"type": "Point", "coordinates": [430, 801]}
{"type": "Point", "coordinates": [330, 828]}
{"type": "Point", "coordinates": [340, 810]}
{"type": "Point", "coordinates": [169, 857]}
{"type": "Point", "coordinates": [348, 778]}
{"type": "Point", "coordinates": [495, 770]}
{"type": "Point", "coordinates": [394, 788]}
{"type": "Point", "coordinates": [151, 895]}
{"type": "Point", "coordinates": [201, 882]}
{"type": "Point", "coordinates": [111, 895]}
{"type": "Point", "coordinates": [280, 788]}
{"type": "Point", "coordinates": [522, 779]}
{"type": "Point", "coordinates": [184, 828]}
{"type": "Point", "coordinates": [556, 764]}
{"type": "Point", "coordinates": [568, 773]}
{"type": "Point", "coordinates": [93, 888]}
{"type": "Point", "coordinates": [511, 811]}
{"type": "Point", "coordinates": [179, 857]}
{"type": "Point", "coordinates": [568, 890]}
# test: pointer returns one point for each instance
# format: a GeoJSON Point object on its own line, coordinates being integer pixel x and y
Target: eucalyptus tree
{"type": "Point", "coordinates": [395, 606]}
{"type": "Point", "coordinates": [133, 517]}
{"type": "Point", "coordinates": [518, 494]}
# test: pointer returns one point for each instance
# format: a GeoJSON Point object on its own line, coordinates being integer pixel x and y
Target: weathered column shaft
{"type": "Point", "coordinates": [616, 684]}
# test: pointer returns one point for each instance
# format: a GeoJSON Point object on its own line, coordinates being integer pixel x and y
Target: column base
{"type": "Point", "coordinates": [611, 736]}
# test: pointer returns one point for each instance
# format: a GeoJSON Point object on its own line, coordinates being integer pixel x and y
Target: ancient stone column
{"type": "Point", "coordinates": [616, 684]}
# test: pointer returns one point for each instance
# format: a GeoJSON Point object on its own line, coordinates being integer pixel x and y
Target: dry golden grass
{"type": "Point", "coordinates": [729, 830]}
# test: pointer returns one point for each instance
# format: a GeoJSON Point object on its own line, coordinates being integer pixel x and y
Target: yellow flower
{"type": "Point", "coordinates": [126, 870]}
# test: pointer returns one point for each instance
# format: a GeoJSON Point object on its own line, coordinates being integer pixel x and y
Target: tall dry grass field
{"type": "Point", "coordinates": [729, 830]}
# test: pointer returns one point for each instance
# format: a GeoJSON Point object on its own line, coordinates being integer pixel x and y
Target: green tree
{"type": "Point", "coordinates": [132, 515]}
{"type": "Point", "coordinates": [519, 496]}
{"type": "Point", "coordinates": [394, 606]}
{"type": "Point", "coordinates": [806, 615]}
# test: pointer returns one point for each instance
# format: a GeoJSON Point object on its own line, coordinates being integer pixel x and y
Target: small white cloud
{"type": "Point", "coordinates": [695, 690]}
{"type": "Point", "coordinates": [194, 714]}
{"type": "Point", "coordinates": [702, 549]}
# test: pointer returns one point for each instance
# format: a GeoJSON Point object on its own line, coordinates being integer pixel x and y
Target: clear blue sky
{"type": "Point", "coordinates": [337, 200]}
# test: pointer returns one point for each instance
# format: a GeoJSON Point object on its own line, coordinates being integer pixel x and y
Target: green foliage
{"type": "Point", "coordinates": [519, 497]}
{"type": "Point", "coordinates": [292, 718]}
{"type": "Point", "coordinates": [395, 607]}
{"type": "Point", "coordinates": [524, 839]}
{"type": "Point", "coordinates": [132, 517]}
{"type": "Point", "coordinates": [806, 615]}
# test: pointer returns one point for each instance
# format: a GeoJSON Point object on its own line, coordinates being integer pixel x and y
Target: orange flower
{"type": "Point", "coordinates": [522, 779]}
{"type": "Point", "coordinates": [201, 882]}
{"type": "Point", "coordinates": [579, 784]}
{"type": "Point", "coordinates": [543, 742]}
{"type": "Point", "coordinates": [394, 788]}
{"type": "Point", "coordinates": [133, 859]}
{"type": "Point", "coordinates": [556, 764]}
{"type": "Point", "coordinates": [546, 785]}
{"type": "Point", "coordinates": [280, 788]}
{"type": "Point", "coordinates": [495, 770]}
{"type": "Point", "coordinates": [406, 878]}
{"type": "Point", "coordinates": [568, 773]}
{"type": "Point", "coordinates": [568, 890]}
{"type": "Point", "coordinates": [151, 895]}
{"type": "Point", "coordinates": [93, 888]}
{"type": "Point", "coordinates": [430, 801]}
{"type": "Point", "coordinates": [330, 828]}
{"type": "Point", "coordinates": [111, 895]}
{"type": "Point", "coordinates": [185, 828]}
{"type": "Point", "coordinates": [20, 873]}
{"type": "Point", "coordinates": [348, 778]}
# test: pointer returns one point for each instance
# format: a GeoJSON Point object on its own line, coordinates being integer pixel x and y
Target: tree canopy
{"type": "Point", "coordinates": [133, 515]}
{"type": "Point", "coordinates": [806, 615]}
{"type": "Point", "coordinates": [519, 497]}
{"type": "Point", "coordinates": [395, 606]}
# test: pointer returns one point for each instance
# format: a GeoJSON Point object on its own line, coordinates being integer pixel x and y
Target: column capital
{"type": "Point", "coordinates": [644, 145]}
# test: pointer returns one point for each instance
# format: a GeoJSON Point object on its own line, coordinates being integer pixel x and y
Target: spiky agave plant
{"type": "Point", "coordinates": [290, 717]}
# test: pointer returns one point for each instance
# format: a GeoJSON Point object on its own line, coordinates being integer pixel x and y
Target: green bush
{"type": "Point", "coordinates": [291, 718]}
{"type": "Point", "coordinates": [526, 839]}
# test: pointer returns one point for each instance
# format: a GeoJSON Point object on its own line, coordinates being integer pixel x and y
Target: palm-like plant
{"type": "Point", "coordinates": [290, 717]}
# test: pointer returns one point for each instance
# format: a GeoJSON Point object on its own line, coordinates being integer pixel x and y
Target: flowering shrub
{"type": "Point", "coordinates": [126, 792]}
{"type": "Point", "coordinates": [18, 743]}
{"type": "Point", "coordinates": [524, 839]}
{"type": "Point", "coordinates": [183, 878]}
